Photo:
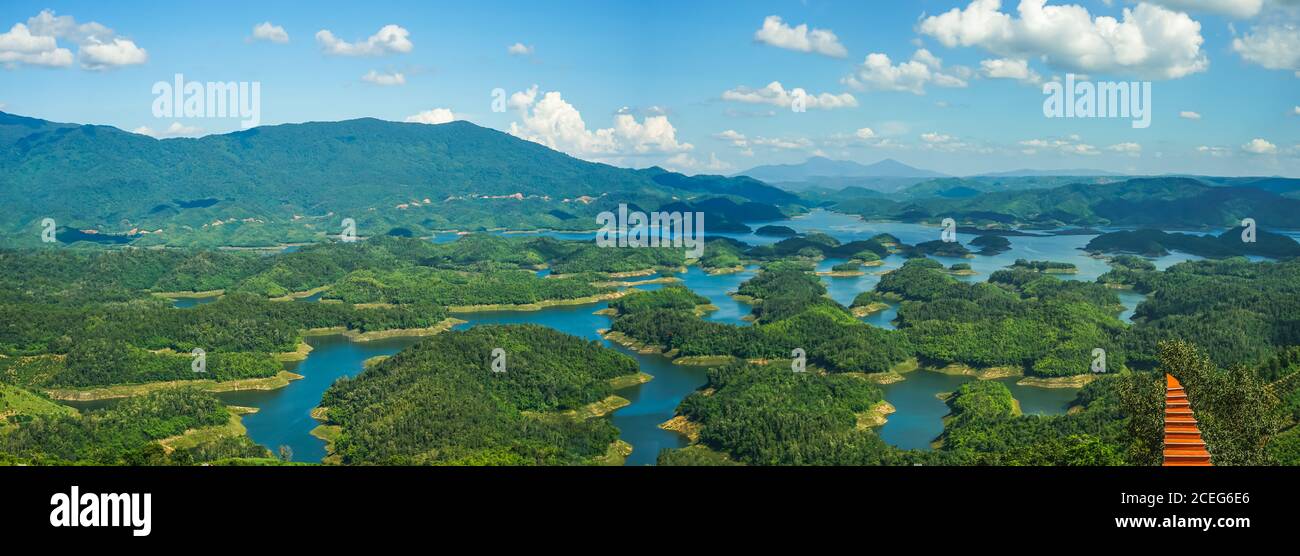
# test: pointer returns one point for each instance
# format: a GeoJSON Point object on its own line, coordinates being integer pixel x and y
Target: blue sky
{"type": "Point", "coordinates": [682, 84]}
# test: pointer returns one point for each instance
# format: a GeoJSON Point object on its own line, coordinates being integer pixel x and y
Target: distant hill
{"type": "Point", "coordinates": [1025, 172]}
{"type": "Point", "coordinates": [820, 167]}
{"type": "Point", "coordinates": [964, 188]}
{"type": "Point", "coordinates": [297, 182]}
{"type": "Point", "coordinates": [1169, 203]}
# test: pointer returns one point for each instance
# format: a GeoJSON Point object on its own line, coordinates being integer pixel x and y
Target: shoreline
{"type": "Point", "coordinates": [538, 306]}
{"type": "Point", "coordinates": [280, 380]}
{"type": "Point", "coordinates": [355, 336]}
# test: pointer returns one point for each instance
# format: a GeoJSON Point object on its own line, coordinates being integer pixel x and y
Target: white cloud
{"type": "Point", "coordinates": [1234, 8]}
{"type": "Point", "coordinates": [1131, 149]}
{"type": "Point", "coordinates": [389, 40]}
{"type": "Point", "coordinates": [384, 79]}
{"type": "Point", "coordinates": [20, 46]}
{"type": "Point", "coordinates": [1010, 68]}
{"type": "Point", "coordinates": [821, 41]}
{"type": "Point", "coordinates": [1297, 111]}
{"type": "Point", "coordinates": [774, 93]}
{"type": "Point", "coordinates": [265, 31]}
{"type": "Point", "coordinates": [1189, 115]}
{"type": "Point", "coordinates": [737, 139]}
{"type": "Point", "coordinates": [784, 144]}
{"type": "Point", "coordinates": [1070, 145]}
{"type": "Point", "coordinates": [1212, 151]}
{"type": "Point", "coordinates": [878, 73]}
{"type": "Point", "coordinates": [864, 133]}
{"type": "Point", "coordinates": [107, 55]}
{"type": "Point", "coordinates": [1149, 41]}
{"type": "Point", "coordinates": [948, 143]}
{"type": "Point", "coordinates": [434, 116]}
{"type": "Point", "coordinates": [519, 49]}
{"type": "Point", "coordinates": [1271, 46]}
{"type": "Point", "coordinates": [550, 120]}
{"type": "Point", "coordinates": [685, 163]}
{"type": "Point", "coordinates": [174, 130]}
{"type": "Point", "coordinates": [36, 43]}
{"type": "Point", "coordinates": [1259, 146]}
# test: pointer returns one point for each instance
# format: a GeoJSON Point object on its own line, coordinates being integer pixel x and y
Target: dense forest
{"type": "Point", "coordinates": [128, 433]}
{"type": "Point", "coordinates": [791, 312]}
{"type": "Point", "coordinates": [439, 402]}
{"type": "Point", "coordinates": [403, 178]}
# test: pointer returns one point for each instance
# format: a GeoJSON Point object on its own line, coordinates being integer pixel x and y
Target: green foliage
{"type": "Point", "coordinates": [768, 415]}
{"type": "Point", "coordinates": [439, 402]}
{"type": "Point", "coordinates": [1020, 318]}
{"type": "Point", "coordinates": [125, 433]}
{"type": "Point", "coordinates": [1236, 413]}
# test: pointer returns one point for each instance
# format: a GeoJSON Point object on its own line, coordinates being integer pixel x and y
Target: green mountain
{"type": "Point", "coordinates": [297, 182]}
{"type": "Point", "coordinates": [1164, 202]}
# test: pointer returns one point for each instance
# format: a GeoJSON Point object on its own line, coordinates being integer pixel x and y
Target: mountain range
{"type": "Point", "coordinates": [297, 182]}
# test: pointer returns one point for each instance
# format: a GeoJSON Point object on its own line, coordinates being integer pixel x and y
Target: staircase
{"type": "Point", "coordinates": [1183, 444]}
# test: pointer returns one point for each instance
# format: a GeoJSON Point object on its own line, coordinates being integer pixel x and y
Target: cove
{"type": "Point", "coordinates": [284, 417]}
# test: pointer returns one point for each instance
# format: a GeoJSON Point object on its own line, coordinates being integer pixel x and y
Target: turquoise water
{"type": "Point", "coordinates": [919, 416]}
{"type": "Point", "coordinates": [284, 415]}
{"type": "Point", "coordinates": [283, 418]}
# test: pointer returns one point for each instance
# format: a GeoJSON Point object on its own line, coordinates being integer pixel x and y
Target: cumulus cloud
{"type": "Point", "coordinates": [20, 46]}
{"type": "Point", "coordinates": [1259, 146]}
{"type": "Point", "coordinates": [546, 118]}
{"type": "Point", "coordinates": [174, 130]}
{"type": "Point", "coordinates": [1296, 111]}
{"type": "Point", "coordinates": [36, 43]}
{"type": "Point", "coordinates": [266, 31]}
{"type": "Point", "coordinates": [1149, 40]}
{"type": "Point", "coordinates": [774, 93]}
{"type": "Point", "coordinates": [1189, 115]}
{"type": "Point", "coordinates": [1271, 46]}
{"type": "Point", "coordinates": [391, 39]}
{"type": "Point", "coordinates": [1212, 151]}
{"type": "Point", "coordinates": [1070, 145]}
{"type": "Point", "coordinates": [864, 133]}
{"type": "Point", "coordinates": [434, 116]}
{"type": "Point", "coordinates": [106, 55]}
{"type": "Point", "coordinates": [800, 38]}
{"type": "Point", "coordinates": [519, 49]}
{"type": "Point", "coordinates": [1010, 68]}
{"type": "Point", "coordinates": [384, 79]}
{"type": "Point", "coordinates": [878, 73]}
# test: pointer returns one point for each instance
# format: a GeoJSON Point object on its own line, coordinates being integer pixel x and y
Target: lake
{"type": "Point", "coordinates": [284, 417]}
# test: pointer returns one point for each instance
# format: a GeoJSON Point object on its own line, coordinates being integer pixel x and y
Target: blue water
{"type": "Point", "coordinates": [284, 415]}
{"type": "Point", "coordinates": [284, 418]}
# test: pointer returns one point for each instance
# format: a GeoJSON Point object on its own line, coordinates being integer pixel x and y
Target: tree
{"type": "Point", "coordinates": [1236, 413]}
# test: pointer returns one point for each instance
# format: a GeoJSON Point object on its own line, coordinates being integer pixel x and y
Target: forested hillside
{"type": "Point", "coordinates": [440, 402]}
{"type": "Point", "coordinates": [298, 182]}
